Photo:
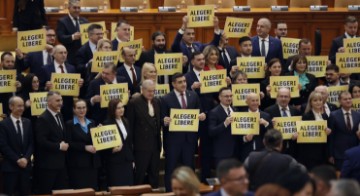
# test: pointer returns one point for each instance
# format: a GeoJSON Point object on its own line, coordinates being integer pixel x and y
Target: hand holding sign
{"type": "Point", "coordinates": [202, 116]}
{"type": "Point", "coordinates": [167, 121]}
{"type": "Point", "coordinates": [117, 149]}
{"type": "Point", "coordinates": [216, 23]}
{"type": "Point", "coordinates": [195, 85]}
{"type": "Point", "coordinates": [228, 121]}
{"type": "Point", "coordinates": [76, 36]}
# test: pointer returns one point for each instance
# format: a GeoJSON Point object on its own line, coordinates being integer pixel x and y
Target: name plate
{"type": "Point", "coordinates": [167, 9]}
{"type": "Point", "coordinates": [279, 8]}
{"type": "Point", "coordinates": [52, 9]}
{"type": "Point", "coordinates": [354, 7]}
{"type": "Point", "coordinates": [89, 9]}
{"type": "Point", "coordinates": [318, 8]}
{"type": "Point", "coordinates": [128, 9]}
{"type": "Point", "coordinates": [241, 8]}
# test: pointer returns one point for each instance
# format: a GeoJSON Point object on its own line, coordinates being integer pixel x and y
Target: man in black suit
{"type": "Point", "coordinates": [51, 147]}
{"type": "Point", "coordinates": [246, 48]}
{"type": "Point", "coordinates": [224, 143]}
{"type": "Point", "coordinates": [345, 134]}
{"type": "Point", "coordinates": [305, 49]}
{"type": "Point", "coordinates": [68, 30]}
{"type": "Point", "coordinates": [283, 109]}
{"type": "Point", "coordinates": [332, 76]}
{"type": "Point", "coordinates": [180, 146]}
{"type": "Point", "coordinates": [122, 33]}
{"type": "Point", "coordinates": [108, 76]}
{"type": "Point", "coordinates": [281, 30]}
{"type": "Point", "coordinates": [227, 53]}
{"type": "Point", "coordinates": [16, 145]}
{"type": "Point", "coordinates": [128, 70]}
{"type": "Point", "coordinates": [144, 113]}
{"type": "Point", "coordinates": [351, 27]}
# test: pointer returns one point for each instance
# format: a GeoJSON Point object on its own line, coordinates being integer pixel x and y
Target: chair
{"type": "Point", "coordinates": [54, 3]}
{"type": "Point", "coordinates": [134, 3]}
{"type": "Point", "coordinates": [130, 190]}
{"type": "Point", "coordinates": [345, 3]}
{"type": "Point", "coordinates": [225, 3]}
{"type": "Point", "coordinates": [304, 3]}
{"type": "Point", "coordinates": [261, 3]}
{"type": "Point", "coordinates": [94, 3]}
{"type": "Point", "coordinates": [74, 192]}
{"type": "Point", "coordinates": [174, 3]}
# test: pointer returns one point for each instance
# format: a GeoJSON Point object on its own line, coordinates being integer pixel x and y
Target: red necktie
{"type": "Point", "coordinates": [62, 68]}
{"type": "Point", "coordinates": [183, 102]}
{"type": "Point", "coordinates": [133, 76]}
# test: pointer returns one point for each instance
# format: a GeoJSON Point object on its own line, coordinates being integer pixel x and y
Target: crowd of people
{"type": "Point", "coordinates": [55, 150]}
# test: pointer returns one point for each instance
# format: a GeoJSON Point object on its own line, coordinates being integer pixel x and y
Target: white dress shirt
{"type": "Point", "coordinates": [121, 125]}
{"type": "Point", "coordinates": [267, 41]}
{"type": "Point", "coordinates": [287, 111]}
{"type": "Point", "coordinates": [58, 69]}
{"type": "Point", "coordinates": [350, 116]}
{"type": "Point", "coordinates": [178, 96]}
{"type": "Point", "coordinates": [127, 68]}
{"type": "Point", "coordinates": [197, 73]}
{"type": "Point", "coordinates": [13, 119]}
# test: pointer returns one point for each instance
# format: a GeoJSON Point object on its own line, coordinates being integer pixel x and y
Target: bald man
{"type": "Point", "coordinates": [262, 42]}
{"type": "Point", "coordinates": [251, 142]}
{"type": "Point", "coordinates": [128, 70]}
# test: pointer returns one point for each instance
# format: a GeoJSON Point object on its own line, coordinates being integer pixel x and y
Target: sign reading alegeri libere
{"type": "Point", "coordinates": [311, 131]}
{"type": "Point", "coordinates": [38, 103]}
{"type": "Point", "coordinates": [212, 81]}
{"type": "Point", "coordinates": [168, 63]}
{"type": "Point", "coordinates": [237, 27]}
{"type": "Point", "coordinates": [348, 62]}
{"type": "Point", "coordinates": [66, 84]}
{"type": "Point", "coordinates": [290, 46]}
{"type": "Point", "coordinates": [317, 65]}
{"type": "Point", "coordinates": [135, 44]}
{"type": "Point", "coordinates": [1, 111]}
{"type": "Point", "coordinates": [352, 45]}
{"type": "Point", "coordinates": [84, 33]}
{"type": "Point", "coordinates": [161, 90]}
{"type": "Point", "coordinates": [114, 91]}
{"type": "Point", "coordinates": [7, 81]}
{"type": "Point", "coordinates": [105, 137]}
{"type": "Point", "coordinates": [245, 123]}
{"type": "Point", "coordinates": [286, 125]}
{"type": "Point", "coordinates": [240, 91]}
{"type": "Point", "coordinates": [184, 120]}
{"type": "Point", "coordinates": [31, 41]}
{"type": "Point", "coordinates": [201, 15]}
{"type": "Point", "coordinates": [356, 104]}
{"type": "Point", "coordinates": [254, 67]}
{"type": "Point", "coordinates": [334, 92]}
{"type": "Point", "coordinates": [100, 58]}
{"type": "Point", "coordinates": [290, 82]}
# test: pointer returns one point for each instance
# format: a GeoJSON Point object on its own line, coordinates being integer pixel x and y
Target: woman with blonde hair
{"type": "Point", "coordinates": [212, 57]}
{"type": "Point", "coordinates": [148, 71]}
{"type": "Point", "coordinates": [184, 182]}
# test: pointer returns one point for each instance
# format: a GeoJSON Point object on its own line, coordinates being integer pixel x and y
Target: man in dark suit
{"type": "Point", "coordinates": [233, 179]}
{"type": "Point", "coordinates": [227, 53]}
{"type": "Point", "coordinates": [344, 124]}
{"type": "Point", "coordinates": [179, 146]}
{"type": "Point", "coordinates": [251, 142]}
{"type": "Point", "coordinates": [351, 166]}
{"type": "Point", "coordinates": [185, 40]}
{"type": "Point", "coordinates": [264, 44]}
{"type": "Point", "coordinates": [108, 76]}
{"type": "Point", "coordinates": [246, 48]}
{"type": "Point", "coordinates": [16, 145]}
{"type": "Point", "coordinates": [144, 113]}
{"type": "Point", "coordinates": [220, 127]}
{"type": "Point", "coordinates": [283, 109]}
{"type": "Point", "coordinates": [51, 147]}
{"type": "Point", "coordinates": [129, 71]}
{"type": "Point", "coordinates": [351, 27]}
{"type": "Point", "coordinates": [68, 30]}
{"type": "Point", "coordinates": [332, 76]}
{"type": "Point", "coordinates": [281, 30]}
{"type": "Point", "coordinates": [122, 33]}
{"type": "Point", "coordinates": [305, 49]}
{"type": "Point", "coordinates": [36, 60]}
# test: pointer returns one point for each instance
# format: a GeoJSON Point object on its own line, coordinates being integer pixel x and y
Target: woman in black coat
{"type": "Point", "coordinates": [119, 161]}
{"type": "Point", "coordinates": [313, 154]}
{"type": "Point", "coordinates": [83, 160]}
{"type": "Point", "coordinates": [29, 15]}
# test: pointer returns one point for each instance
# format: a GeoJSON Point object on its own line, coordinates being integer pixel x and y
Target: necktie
{"type": "Point", "coordinates": [190, 49]}
{"type": "Point", "coordinates": [62, 68]}
{"type": "Point", "coordinates": [228, 111]}
{"type": "Point", "coordinates": [263, 53]}
{"type": "Point", "coordinates": [151, 109]}
{"type": "Point", "coordinates": [284, 114]}
{"type": "Point", "coordinates": [77, 25]}
{"type": "Point", "coordinates": [225, 58]}
{"type": "Point", "coordinates": [59, 121]}
{"type": "Point", "coordinates": [49, 59]}
{"type": "Point", "coordinates": [183, 102]}
{"type": "Point", "coordinates": [19, 131]}
{"type": "Point", "coordinates": [134, 81]}
{"type": "Point", "coordinates": [348, 122]}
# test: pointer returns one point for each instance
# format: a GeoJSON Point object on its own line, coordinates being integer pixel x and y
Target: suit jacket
{"type": "Point", "coordinates": [121, 71]}
{"type": "Point", "coordinates": [64, 30]}
{"type": "Point", "coordinates": [33, 60]}
{"type": "Point", "coordinates": [223, 141]}
{"type": "Point", "coordinates": [49, 135]}
{"type": "Point", "coordinates": [340, 138]}
{"type": "Point", "coordinates": [32, 17]}
{"type": "Point", "coordinates": [146, 128]}
{"type": "Point", "coordinates": [126, 152]}
{"type": "Point", "coordinates": [115, 44]}
{"type": "Point", "coordinates": [170, 101]}
{"type": "Point", "coordinates": [47, 70]}
{"type": "Point", "coordinates": [274, 111]}
{"type": "Point", "coordinates": [232, 54]}
{"type": "Point", "coordinates": [97, 113]}
{"type": "Point", "coordinates": [275, 48]}
{"type": "Point", "coordinates": [337, 43]}
{"type": "Point", "coordinates": [83, 55]}
{"type": "Point", "coordinates": [351, 165]}
{"type": "Point", "coordinates": [304, 93]}
{"type": "Point", "coordinates": [10, 146]}
{"type": "Point", "coordinates": [78, 139]}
